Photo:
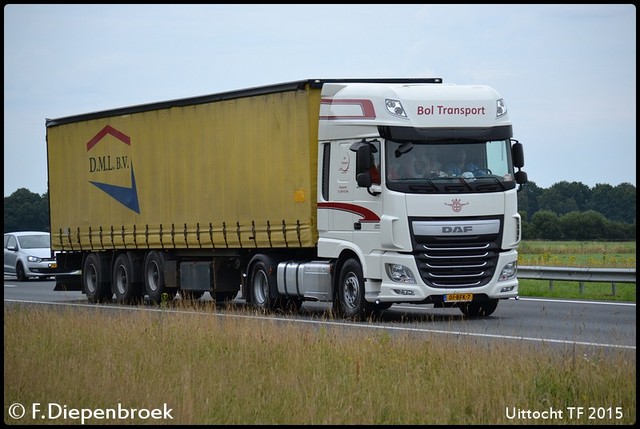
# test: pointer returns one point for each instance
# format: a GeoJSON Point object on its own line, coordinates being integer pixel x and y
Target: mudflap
{"type": "Point", "coordinates": [68, 282]}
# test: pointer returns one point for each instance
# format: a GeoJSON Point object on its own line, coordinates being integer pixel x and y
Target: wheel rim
{"type": "Point", "coordinates": [153, 276]}
{"type": "Point", "coordinates": [121, 279]}
{"type": "Point", "coordinates": [91, 279]}
{"type": "Point", "coordinates": [351, 290]}
{"type": "Point", "coordinates": [260, 287]}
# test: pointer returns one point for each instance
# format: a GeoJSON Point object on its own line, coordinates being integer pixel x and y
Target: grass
{"type": "Point", "coordinates": [593, 291]}
{"type": "Point", "coordinates": [235, 370]}
{"type": "Point", "coordinates": [578, 254]}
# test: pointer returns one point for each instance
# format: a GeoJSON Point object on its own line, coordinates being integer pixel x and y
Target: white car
{"type": "Point", "coordinates": [27, 254]}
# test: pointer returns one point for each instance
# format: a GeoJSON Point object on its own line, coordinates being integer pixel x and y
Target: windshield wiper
{"type": "Point", "coordinates": [465, 182]}
{"type": "Point", "coordinates": [428, 187]}
{"type": "Point", "coordinates": [494, 178]}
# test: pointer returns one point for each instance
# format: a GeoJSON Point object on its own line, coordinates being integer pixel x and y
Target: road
{"type": "Point", "coordinates": [608, 325]}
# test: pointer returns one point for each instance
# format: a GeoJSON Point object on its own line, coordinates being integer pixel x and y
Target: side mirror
{"type": "Point", "coordinates": [521, 177]}
{"type": "Point", "coordinates": [364, 153]}
{"type": "Point", "coordinates": [364, 179]}
{"type": "Point", "coordinates": [517, 153]}
{"type": "Point", "coordinates": [364, 158]}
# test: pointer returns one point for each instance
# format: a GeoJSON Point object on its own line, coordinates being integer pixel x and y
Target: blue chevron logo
{"type": "Point", "coordinates": [128, 197]}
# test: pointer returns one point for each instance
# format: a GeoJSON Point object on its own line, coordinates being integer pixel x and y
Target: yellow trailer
{"type": "Point", "coordinates": [234, 170]}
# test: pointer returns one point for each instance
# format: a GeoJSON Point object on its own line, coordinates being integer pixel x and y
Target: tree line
{"type": "Point", "coordinates": [574, 211]}
{"type": "Point", "coordinates": [565, 211]}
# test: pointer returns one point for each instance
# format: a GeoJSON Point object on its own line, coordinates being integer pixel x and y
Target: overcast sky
{"type": "Point", "coordinates": [567, 72]}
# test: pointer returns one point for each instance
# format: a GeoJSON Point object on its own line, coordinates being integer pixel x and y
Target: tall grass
{"type": "Point", "coordinates": [210, 369]}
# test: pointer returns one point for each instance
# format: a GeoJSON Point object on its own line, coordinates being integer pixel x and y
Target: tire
{"type": "Point", "coordinates": [153, 278]}
{"type": "Point", "coordinates": [95, 287]}
{"type": "Point", "coordinates": [479, 309]}
{"type": "Point", "coordinates": [350, 302]}
{"type": "Point", "coordinates": [261, 283]}
{"type": "Point", "coordinates": [125, 289]}
{"type": "Point", "coordinates": [20, 274]}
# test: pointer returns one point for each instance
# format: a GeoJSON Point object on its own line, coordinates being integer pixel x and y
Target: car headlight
{"type": "Point", "coordinates": [33, 259]}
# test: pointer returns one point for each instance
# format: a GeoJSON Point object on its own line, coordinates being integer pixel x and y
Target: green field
{"type": "Point", "coordinates": [582, 255]}
{"type": "Point", "coordinates": [578, 254]}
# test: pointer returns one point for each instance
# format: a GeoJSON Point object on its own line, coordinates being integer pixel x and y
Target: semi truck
{"type": "Point", "coordinates": [310, 190]}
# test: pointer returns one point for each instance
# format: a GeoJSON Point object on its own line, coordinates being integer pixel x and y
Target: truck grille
{"type": "Point", "coordinates": [456, 265]}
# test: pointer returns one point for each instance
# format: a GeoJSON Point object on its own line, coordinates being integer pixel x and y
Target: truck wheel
{"type": "Point", "coordinates": [260, 283]}
{"type": "Point", "coordinates": [479, 309]}
{"type": "Point", "coordinates": [350, 302]}
{"type": "Point", "coordinates": [127, 292]}
{"type": "Point", "coordinates": [20, 274]}
{"type": "Point", "coordinates": [154, 278]}
{"type": "Point", "coordinates": [96, 289]}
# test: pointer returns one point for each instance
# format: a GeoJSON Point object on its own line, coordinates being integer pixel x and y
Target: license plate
{"type": "Point", "coordinates": [458, 297]}
{"type": "Point", "coordinates": [53, 265]}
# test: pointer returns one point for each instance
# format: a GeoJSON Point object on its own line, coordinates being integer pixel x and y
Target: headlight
{"type": "Point", "coordinates": [509, 271]}
{"type": "Point", "coordinates": [33, 259]}
{"type": "Point", "coordinates": [399, 273]}
{"type": "Point", "coordinates": [395, 107]}
{"type": "Point", "coordinates": [501, 108]}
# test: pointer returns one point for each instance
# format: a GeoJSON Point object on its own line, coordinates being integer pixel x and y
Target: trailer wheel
{"type": "Point", "coordinates": [479, 309]}
{"type": "Point", "coordinates": [154, 277]}
{"type": "Point", "coordinates": [350, 302]}
{"type": "Point", "coordinates": [96, 289]}
{"type": "Point", "coordinates": [126, 290]}
{"type": "Point", "coordinates": [261, 283]}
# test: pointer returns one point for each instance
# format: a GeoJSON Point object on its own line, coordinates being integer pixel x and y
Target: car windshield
{"type": "Point", "coordinates": [35, 241]}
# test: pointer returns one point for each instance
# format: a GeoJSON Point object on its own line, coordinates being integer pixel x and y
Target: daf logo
{"type": "Point", "coordinates": [456, 229]}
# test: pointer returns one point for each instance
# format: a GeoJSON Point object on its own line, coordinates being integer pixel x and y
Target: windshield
{"type": "Point", "coordinates": [35, 241]}
{"type": "Point", "coordinates": [449, 167]}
